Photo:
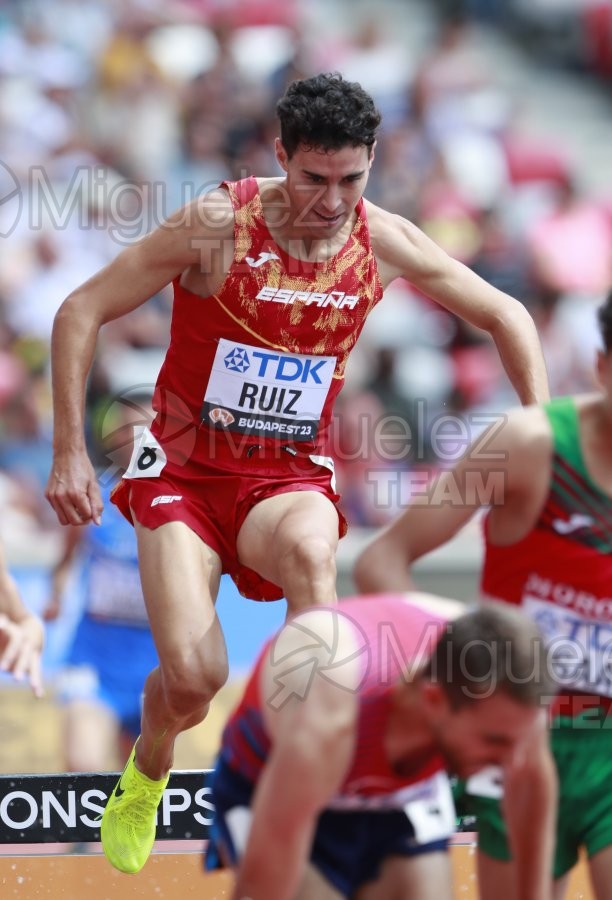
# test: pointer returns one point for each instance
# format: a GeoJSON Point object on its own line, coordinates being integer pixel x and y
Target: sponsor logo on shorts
{"type": "Point", "coordinates": [166, 498]}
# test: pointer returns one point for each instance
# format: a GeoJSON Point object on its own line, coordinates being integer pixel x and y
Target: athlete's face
{"type": "Point", "coordinates": [323, 187]}
{"type": "Point", "coordinates": [484, 732]}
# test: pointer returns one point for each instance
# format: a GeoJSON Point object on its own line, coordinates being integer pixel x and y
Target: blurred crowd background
{"type": "Point", "coordinates": [113, 113]}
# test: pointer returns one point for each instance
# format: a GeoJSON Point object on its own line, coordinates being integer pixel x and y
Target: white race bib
{"type": "Point", "coordinates": [488, 782]}
{"type": "Point", "coordinates": [427, 803]}
{"type": "Point", "coordinates": [433, 818]}
{"type": "Point", "coordinates": [148, 458]}
{"type": "Point", "coordinates": [238, 821]}
{"type": "Point", "coordinates": [265, 392]}
{"type": "Point", "coordinates": [580, 648]}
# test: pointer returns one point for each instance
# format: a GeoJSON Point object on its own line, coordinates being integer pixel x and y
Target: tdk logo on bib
{"type": "Point", "coordinates": [290, 368]}
{"type": "Point", "coordinates": [278, 367]}
{"type": "Point", "coordinates": [237, 360]}
{"type": "Point", "coordinates": [269, 393]}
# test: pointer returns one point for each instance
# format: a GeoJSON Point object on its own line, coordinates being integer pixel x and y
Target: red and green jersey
{"type": "Point", "coordinates": [561, 571]}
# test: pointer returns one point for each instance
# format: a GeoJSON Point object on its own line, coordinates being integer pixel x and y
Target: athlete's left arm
{"type": "Point", "coordinates": [530, 811]}
{"type": "Point", "coordinates": [404, 251]}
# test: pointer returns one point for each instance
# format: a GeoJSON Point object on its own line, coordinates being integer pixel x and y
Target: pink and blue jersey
{"type": "Point", "coordinates": [394, 636]}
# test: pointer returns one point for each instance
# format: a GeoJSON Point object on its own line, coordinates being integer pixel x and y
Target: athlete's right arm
{"type": "Point", "coordinates": [311, 719]}
{"type": "Point", "coordinates": [190, 238]}
{"type": "Point", "coordinates": [494, 470]}
{"type": "Point", "coordinates": [530, 813]}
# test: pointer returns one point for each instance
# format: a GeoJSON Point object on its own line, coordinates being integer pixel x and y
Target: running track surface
{"type": "Point", "coordinates": [52, 873]}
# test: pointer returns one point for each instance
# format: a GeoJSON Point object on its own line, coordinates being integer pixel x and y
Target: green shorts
{"type": "Point", "coordinates": [582, 748]}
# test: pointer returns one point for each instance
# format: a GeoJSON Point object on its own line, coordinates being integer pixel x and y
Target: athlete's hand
{"type": "Point", "coordinates": [73, 491]}
{"type": "Point", "coordinates": [21, 645]}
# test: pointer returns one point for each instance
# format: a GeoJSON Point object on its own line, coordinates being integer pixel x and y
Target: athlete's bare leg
{"type": "Point", "coordinates": [560, 887]}
{"type": "Point", "coordinates": [600, 868]}
{"type": "Point", "coordinates": [180, 579]}
{"type": "Point", "coordinates": [496, 880]}
{"type": "Point", "coordinates": [125, 742]}
{"type": "Point", "coordinates": [291, 540]}
{"type": "Point", "coordinates": [91, 735]}
{"type": "Point", "coordinates": [315, 887]}
{"type": "Point", "coordinates": [427, 876]}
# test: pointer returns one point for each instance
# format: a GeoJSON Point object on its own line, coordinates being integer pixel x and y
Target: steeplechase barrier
{"type": "Point", "coordinates": [45, 816]}
{"type": "Point", "coordinates": [65, 808]}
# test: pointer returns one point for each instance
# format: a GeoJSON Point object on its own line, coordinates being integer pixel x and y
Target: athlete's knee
{"type": "Point", "coordinates": [312, 554]}
{"type": "Point", "coordinates": [189, 686]}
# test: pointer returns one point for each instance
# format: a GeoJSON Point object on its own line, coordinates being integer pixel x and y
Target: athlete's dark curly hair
{"type": "Point", "coordinates": [328, 112]}
{"type": "Point", "coordinates": [604, 314]}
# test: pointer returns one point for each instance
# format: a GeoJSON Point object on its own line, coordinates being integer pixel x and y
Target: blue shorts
{"type": "Point", "coordinates": [349, 847]}
{"type": "Point", "coordinates": [108, 663]}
